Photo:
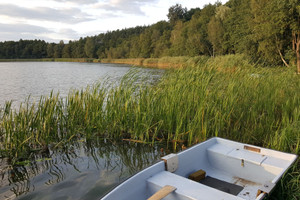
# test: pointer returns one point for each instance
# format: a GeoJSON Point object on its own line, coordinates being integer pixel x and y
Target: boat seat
{"type": "Point", "coordinates": [186, 188]}
{"type": "Point", "coordinates": [245, 162]}
{"type": "Point", "coordinates": [248, 155]}
{"type": "Point", "coordinates": [238, 153]}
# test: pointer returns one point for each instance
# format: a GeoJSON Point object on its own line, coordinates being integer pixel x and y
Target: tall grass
{"type": "Point", "coordinates": [164, 62]}
{"type": "Point", "coordinates": [225, 96]}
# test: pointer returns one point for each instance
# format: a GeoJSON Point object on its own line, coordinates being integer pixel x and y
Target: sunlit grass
{"type": "Point", "coordinates": [226, 97]}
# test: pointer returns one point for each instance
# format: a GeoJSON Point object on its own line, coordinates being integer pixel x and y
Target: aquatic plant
{"type": "Point", "coordinates": [226, 96]}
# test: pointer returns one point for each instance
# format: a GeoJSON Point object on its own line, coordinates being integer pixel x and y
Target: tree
{"type": "Point", "coordinates": [274, 27]}
{"type": "Point", "coordinates": [66, 52]}
{"type": "Point", "coordinates": [238, 29]}
{"type": "Point", "coordinates": [79, 50]}
{"type": "Point", "coordinates": [215, 34]}
{"type": "Point", "coordinates": [58, 49]}
{"type": "Point", "coordinates": [145, 44]}
{"type": "Point", "coordinates": [176, 13]}
{"type": "Point", "coordinates": [178, 41]}
{"type": "Point", "coordinates": [294, 16]}
{"type": "Point", "coordinates": [189, 14]}
{"type": "Point", "coordinates": [89, 47]}
{"type": "Point", "coordinates": [197, 42]}
{"type": "Point", "coordinates": [215, 29]}
{"type": "Point", "coordinates": [50, 50]}
{"type": "Point", "coordinates": [162, 45]}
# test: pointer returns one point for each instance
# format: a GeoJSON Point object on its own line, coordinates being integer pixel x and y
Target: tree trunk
{"type": "Point", "coordinates": [296, 47]}
{"type": "Point", "coordinates": [294, 44]}
{"type": "Point", "coordinates": [282, 58]}
{"type": "Point", "coordinates": [294, 41]}
{"type": "Point", "coordinates": [298, 54]}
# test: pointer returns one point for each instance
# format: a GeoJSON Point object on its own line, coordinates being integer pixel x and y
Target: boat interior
{"type": "Point", "coordinates": [228, 170]}
{"type": "Point", "coordinates": [213, 170]}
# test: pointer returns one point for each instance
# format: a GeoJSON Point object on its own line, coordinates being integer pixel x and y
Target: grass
{"type": "Point", "coordinates": [164, 62]}
{"type": "Point", "coordinates": [225, 96]}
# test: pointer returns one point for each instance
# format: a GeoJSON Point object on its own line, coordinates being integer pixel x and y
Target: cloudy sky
{"type": "Point", "coordinates": [55, 20]}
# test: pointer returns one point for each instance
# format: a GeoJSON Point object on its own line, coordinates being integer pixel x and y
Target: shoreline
{"type": "Point", "coordinates": [87, 60]}
{"type": "Point", "coordinates": [160, 63]}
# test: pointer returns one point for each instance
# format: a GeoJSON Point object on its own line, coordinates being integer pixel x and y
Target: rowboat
{"type": "Point", "coordinates": [214, 169]}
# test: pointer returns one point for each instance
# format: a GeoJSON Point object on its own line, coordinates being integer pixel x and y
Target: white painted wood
{"type": "Point", "coordinates": [249, 156]}
{"type": "Point", "coordinates": [162, 193]}
{"type": "Point", "coordinates": [171, 162]}
{"type": "Point", "coordinates": [252, 168]}
{"type": "Point", "coordinates": [188, 189]}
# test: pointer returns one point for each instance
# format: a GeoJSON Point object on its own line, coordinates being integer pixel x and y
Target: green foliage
{"type": "Point", "coordinates": [238, 36]}
{"type": "Point", "coordinates": [31, 49]}
{"type": "Point", "coordinates": [66, 52]}
{"type": "Point", "coordinates": [58, 49]}
{"type": "Point", "coordinates": [209, 98]}
{"type": "Point", "coordinates": [215, 34]}
{"type": "Point", "coordinates": [224, 96]}
{"type": "Point", "coordinates": [89, 47]}
{"type": "Point", "coordinates": [176, 13]}
{"type": "Point", "coordinates": [268, 31]}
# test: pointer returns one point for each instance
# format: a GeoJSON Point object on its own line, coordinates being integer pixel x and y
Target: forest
{"type": "Point", "coordinates": [267, 31]}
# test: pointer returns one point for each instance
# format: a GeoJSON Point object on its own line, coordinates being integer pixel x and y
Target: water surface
{"type": "Point", "coordinates": [18, 80]}
{"type": "Point", "coordinates": [83, 169]}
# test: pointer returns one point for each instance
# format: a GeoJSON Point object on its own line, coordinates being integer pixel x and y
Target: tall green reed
{"type": "Point", "coordinates": [226, 96]}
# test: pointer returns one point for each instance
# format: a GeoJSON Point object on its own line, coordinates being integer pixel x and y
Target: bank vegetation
{"type": "Point", "coordinates": [226, 96]}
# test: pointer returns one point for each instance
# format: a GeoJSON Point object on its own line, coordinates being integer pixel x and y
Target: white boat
{"type": "Point", "coordinates": [226, 170]}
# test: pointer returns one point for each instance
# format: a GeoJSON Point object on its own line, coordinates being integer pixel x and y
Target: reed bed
{"type": "Point", "coordinates": [225, 96]}
{"type": "Point", "coordinates": [162, 63]}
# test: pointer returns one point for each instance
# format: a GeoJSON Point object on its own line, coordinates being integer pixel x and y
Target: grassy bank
{"type": "Point", "coordinates": [225, 96]}
{"type": "Point", "coordinates": [162, 63]}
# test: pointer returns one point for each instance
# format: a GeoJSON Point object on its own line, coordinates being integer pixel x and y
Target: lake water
{"type": "Point", "coordinates": [18, 80]}
{"type": "Point", "coordinates": [84, 169]}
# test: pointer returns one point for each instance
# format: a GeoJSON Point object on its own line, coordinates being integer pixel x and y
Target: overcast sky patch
{"type": "Point", "coordinates": [55, 20]}
{"type": "Point", "coordinates": [22, 28]}
{"type": "Point", "coordinates": [67, 15]}
{"type": "Point", "coordinates": [78, 1]}
{"type": "Point", "coordinates": [124, 6]}
{"type": "Point", "coordinates": [22, 31]}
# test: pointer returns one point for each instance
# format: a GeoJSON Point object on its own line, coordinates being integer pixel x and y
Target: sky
{"type": "Point", "coordinates": [55, 20]}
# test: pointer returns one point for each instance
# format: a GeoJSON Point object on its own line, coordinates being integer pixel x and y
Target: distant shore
{"type": "Point", "coordinates": [162, 63]}
{"type": "Point", "coordinates": [52, 60]}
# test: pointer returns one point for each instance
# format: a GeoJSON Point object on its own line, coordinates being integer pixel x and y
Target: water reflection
{"type": "Point", "coordinates": [18, 80]}
{"type": "Point", "coordinates": [83, 170]}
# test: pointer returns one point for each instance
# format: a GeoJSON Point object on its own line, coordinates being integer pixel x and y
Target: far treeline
{"type": "Point", "coordinates": [268, 31]}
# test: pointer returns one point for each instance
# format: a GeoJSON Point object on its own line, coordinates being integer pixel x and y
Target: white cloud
{"type": "Point", "coordinates": [124, 6]}
{"type": "Point", "coordinates": [67, 15]}
{"type": "Point", "coordinates": [78, 1]}
{"type": "Point", "coordinates": [72, 19]}
{"type": "Point", "coordinates": [23, 31]}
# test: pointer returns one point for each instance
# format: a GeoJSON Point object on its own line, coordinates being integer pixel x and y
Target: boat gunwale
{"type": "Point", "coordinates": [291, 161]}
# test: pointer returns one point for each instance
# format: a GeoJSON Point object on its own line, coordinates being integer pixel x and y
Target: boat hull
{"type": "Point", "coordinates": [233, 171]}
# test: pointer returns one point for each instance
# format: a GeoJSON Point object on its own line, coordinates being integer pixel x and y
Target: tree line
{"type": "Point", "coordinates": [268, 31]}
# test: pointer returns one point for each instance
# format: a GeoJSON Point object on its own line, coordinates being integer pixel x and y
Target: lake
{"type": "Point", "coordinates": [85, 169]}
{"type": "Point", "coordinates": [18, 80]}
{"type": "Point", "coordinates": [82, 170]}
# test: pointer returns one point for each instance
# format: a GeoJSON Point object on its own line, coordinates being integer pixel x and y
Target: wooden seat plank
{"type": "Point", "coordinates": [163, 192]}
